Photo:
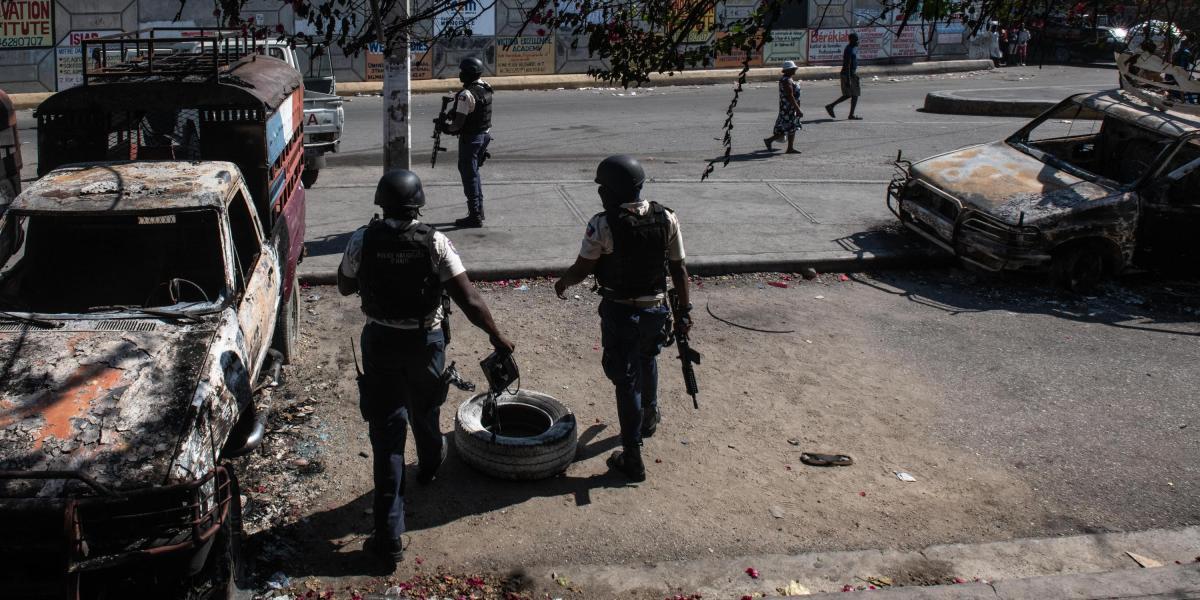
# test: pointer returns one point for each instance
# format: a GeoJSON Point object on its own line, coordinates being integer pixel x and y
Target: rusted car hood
{"type": "Point", "coordinates": [112, 404]}
{"type": "Point", "coordinates": [1005, 182]}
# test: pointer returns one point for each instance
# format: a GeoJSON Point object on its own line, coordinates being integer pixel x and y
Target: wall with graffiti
{"type": "Point", "coordinates": [40, 40]}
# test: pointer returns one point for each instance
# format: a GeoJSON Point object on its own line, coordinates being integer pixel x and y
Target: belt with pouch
{"type": "Point", "coordinates": [639, 303]}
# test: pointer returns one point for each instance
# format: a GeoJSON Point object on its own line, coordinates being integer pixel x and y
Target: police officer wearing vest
{"type": "Point", "coordinates": [632, 247]}
{"type": "Point", "coordinates": [471, 122]}
{"type": "Point", "coordinates": [404, 270]}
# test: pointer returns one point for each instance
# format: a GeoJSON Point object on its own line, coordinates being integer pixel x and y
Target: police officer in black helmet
{"type": "Point", "coordinates": [404, 270]}
{"type": "Point", "coordinates": [471, 121]}
{"type": "Point", "coordinates": [632, 247]}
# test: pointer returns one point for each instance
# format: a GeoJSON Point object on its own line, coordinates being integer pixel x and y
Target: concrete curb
{"type": "Point", "coordinates": [1088, 566]}
{"type": "Point", "coordinates": [581, 80]}
{"type": "Point", "coordinates": [954, 103]}
{"type": "Point", "coordinates": [823, 262]}
{"type": "Point", "coordinates": [707, 77]}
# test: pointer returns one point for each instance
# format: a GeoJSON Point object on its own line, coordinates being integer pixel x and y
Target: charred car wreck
{"type": "Point", "coordinates": [1098, 184]}
{"type": "Point", "coordinates": [143, 304]}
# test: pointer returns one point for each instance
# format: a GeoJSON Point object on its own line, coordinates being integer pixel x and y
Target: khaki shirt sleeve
{"type": "Point", "coordinates": [675, 238]}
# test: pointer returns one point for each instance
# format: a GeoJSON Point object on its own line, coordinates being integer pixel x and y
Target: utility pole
{"type": "Point", "coordinates": [397, 89]}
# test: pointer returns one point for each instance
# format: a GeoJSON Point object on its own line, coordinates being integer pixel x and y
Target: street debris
{"type": "Point", "coordinates": [793, 588]}
{"type": "Point", "coordinates": [1144, 562]}
{"type": "Point", "coordinates": [902, 476]}
{"type": "Point", "coordinates": [778, 284]}
{"type": "Point", "coordinates": [809, 273]}
{"type": "Point", "coordinates": [752, 572]}
{"type": "Point", "coordinates": [814, 459]}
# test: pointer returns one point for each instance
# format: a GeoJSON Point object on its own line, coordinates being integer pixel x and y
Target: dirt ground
{"type": "Point", "coordinates": [725, 480]}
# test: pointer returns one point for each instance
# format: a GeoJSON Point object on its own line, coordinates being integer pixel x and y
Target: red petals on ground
{"type": "Point", "coordinates": [752, 572]}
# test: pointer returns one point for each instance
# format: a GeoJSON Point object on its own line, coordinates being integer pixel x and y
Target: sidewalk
{"type": "Point", "coordinates": [1083, 567]}
{"type": "Point", "coordinates": [570, 81]}
{"type": "Point", "coordinates": [1028, 101]}
{"type": "Point", "coordinates": [534, 228]}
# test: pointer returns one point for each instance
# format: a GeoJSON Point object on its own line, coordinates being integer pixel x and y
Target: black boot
{"type": "Point", "coordinates": [389, 550]}
{"type": "Point", "coordinates": [474, 216]}
{"type": "Point", "coordinates": [650, 420]}
{"type": "Point", "coordinates": [628, 462]}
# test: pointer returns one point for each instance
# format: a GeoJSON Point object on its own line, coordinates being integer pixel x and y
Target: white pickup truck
{"type": "Point", "coordinates": [323, 114]}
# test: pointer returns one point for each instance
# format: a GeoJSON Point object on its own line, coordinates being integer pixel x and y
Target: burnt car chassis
{"type": "Point", "coordinates": [976, 238]}
{"type": "Point", "coordinates": [128, 542]}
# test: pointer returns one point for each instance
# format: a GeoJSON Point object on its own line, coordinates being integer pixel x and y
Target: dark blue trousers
{"type": "Point", "coordinates": [404, 368]}
{"type": "Point", "coordinates": [632, 338]}
{"type": "Point", "coordinates": [470, 154]}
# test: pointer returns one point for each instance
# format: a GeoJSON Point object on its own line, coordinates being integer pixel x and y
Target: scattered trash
{"type": "Point", "coordinates": [752, 572]}
{"type": "Point", "coordinates": [793, 588]}
{"type": "Point", "coordinates": [278, 581]}
{"type": "Point", "coordinates": [778, 284]}
{"type": "Point", "coordinates": [808, 273]}
{"type": "Point", "coordinates": [658, 460]}
{"type": "Point", "coordinates": [902, 476]}
{"type": "Point", "coordinates": [863, 494]}
{"type": "Point", "coordinates": [523, 288]}
{"type": "Point", "coordinates": [313, 298]}
{"type": "Point", "coordinates": [578, 297]}
{"type": "Point", "coordinates": [364, 455]}
{"type": "Point", "coordinates": [880, 581]}
{"type": "Point", "coordinates": [1143, 561]}
{"type": "Point", "coordinates": [818, 297]}
{"type": "Point", "coordinates": [814, 459]}
{"type": "Point", "coordinates": [776, 512]}
{"type": "Point", "coordinates": [794, 442]}
{"type": "Point", "coordinates": [843, 277]}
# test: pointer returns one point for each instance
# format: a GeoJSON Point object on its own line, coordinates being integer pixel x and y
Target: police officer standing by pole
{"type": "Point", "coordinates": [631, 247]}
{"type": "Point", "coordinates": [471, 122]}
{"type": "Point", "coordinates": [404, 270]}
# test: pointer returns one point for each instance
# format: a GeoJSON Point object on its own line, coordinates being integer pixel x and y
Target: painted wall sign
{"type": "Point", "coordinates": [826, 45]}
{"type": "Point", "coordinates": [68, 63]}
{"type": "Point", "coordinates": [525, 55]}
{"type": "Point", "coordinates": [477, 15]}
{"type": "Point", "coordinates": [26, 23]}
{"type": "Point", "coordinates": [786, 45]}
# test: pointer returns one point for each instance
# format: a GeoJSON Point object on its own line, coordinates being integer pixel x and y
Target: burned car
{"type": "Point", "coordinates": [1100, 183]}
{"type": "Point", "coordinates": [137, 306]}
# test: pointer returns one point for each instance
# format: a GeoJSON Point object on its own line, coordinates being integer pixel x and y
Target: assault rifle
{"type": "Point", "coordinates": [687, 355]}
{"type": "Point", "coordinates": [439, 125]}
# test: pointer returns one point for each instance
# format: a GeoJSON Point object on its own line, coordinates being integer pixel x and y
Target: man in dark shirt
{"type": "Point", "coordinates": [850, 83]}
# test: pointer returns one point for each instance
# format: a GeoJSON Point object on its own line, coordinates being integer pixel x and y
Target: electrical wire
{"type": "Point", "coordinates": [708, 308]}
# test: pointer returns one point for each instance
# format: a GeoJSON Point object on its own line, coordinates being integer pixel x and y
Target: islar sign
{"type": "Point", "coordinates": [26, 23]}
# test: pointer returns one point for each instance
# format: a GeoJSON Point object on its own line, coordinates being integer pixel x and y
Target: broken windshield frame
{"type": "Point", "coordinates": [1075, 111]}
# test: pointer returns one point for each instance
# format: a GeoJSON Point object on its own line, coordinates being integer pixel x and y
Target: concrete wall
{"type": "Point", "coordinates": [808, 32]}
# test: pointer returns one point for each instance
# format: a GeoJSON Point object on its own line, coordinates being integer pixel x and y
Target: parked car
{"type": "Point", "coordinates": [324, 117]}
{"type": "Point", "coordinates": [148, 285]}
{"type": "Point", "coordinates": [1100, 183]}
{"type": "Point", "coordinates": [1064, 42]}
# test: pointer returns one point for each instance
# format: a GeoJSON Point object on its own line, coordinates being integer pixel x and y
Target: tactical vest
{"type": "Point", "coordinates": [637, 265]}
{"type": "Point", "coordinates": [480, 119]}
{"type": "Point", "coordinates": [398, 277]}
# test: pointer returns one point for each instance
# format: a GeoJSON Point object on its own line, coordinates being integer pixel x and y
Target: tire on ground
{"type": "Point", "coordinates": [536, 457]}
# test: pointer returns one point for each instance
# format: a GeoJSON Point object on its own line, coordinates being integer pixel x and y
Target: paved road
{"type": "Point", "coordinates": [770, 209]}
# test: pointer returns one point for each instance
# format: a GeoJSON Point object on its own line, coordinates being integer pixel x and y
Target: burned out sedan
{"type": "Point", "coordinates": [1098, 184]}
{"type": "Point", "coordinates": [137, 306]}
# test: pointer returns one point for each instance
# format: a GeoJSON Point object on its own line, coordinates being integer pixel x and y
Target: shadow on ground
{"type": "Point", "coordinates": [1147, 302]}
{"type": "Point", "coordinates": [329, 543]}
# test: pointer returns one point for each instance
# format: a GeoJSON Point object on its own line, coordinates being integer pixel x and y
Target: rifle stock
{"type": "Point", "coordinates": [687, 355]}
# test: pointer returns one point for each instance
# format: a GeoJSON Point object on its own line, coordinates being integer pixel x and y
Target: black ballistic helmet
{"type": "Point", "coordinates": [399, 189]}
{"type": "Point", "coordinates": [621, 173]}
{"type": "Point", "coordinates": [471, 66]}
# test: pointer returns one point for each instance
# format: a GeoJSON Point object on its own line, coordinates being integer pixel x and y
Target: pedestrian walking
{"type": "Point", "coordinates": [1002, 46]}
{"type": "Point", "coordinates": [851, 86]}
{"type": "Point", "coordinates": [996, 45]}
{"type": "Point", "coordinates": [1014, 57]}
{"type": "Point", "coordinates": [790, 114]}
{"type": "Point", "coordinates": [405, 271]}
{"type": "Point", "coordinates": [632, 247]}
{"type": "Point", "coordinates": [472, 122]}
{"type": "Point", "coordinates": [1023, 37]}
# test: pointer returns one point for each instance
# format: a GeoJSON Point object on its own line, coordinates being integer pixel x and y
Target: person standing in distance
{"type": "Point", "coordinates": [404, 270]}
{"type": "Point", "coordinates": [472, 123]}
{"type": "Point", "coordinates": [631, 247]}
{"type": "Point", "coordinates": [851, 86]}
